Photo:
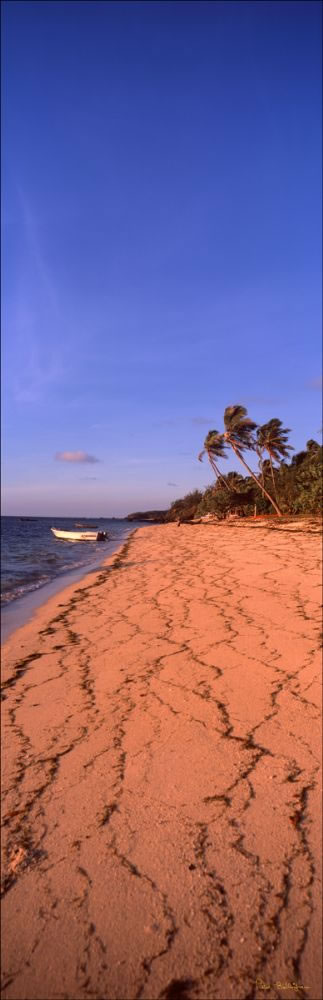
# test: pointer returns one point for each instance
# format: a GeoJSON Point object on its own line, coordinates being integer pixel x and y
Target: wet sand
{"type": "Point", "coordinates": [161, 775]}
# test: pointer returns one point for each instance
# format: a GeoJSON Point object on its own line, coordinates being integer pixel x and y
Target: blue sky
{"type": "Point", "coordinates": [161, 219]}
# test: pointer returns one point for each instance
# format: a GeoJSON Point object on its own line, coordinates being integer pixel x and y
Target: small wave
{"type": "Point", "coordinates": [30, 560]}
{"type": "Point", "coordinates": [23, 589]}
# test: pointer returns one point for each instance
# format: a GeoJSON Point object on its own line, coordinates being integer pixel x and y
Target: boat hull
{"type": "Point", "coordinates": [79, 536]}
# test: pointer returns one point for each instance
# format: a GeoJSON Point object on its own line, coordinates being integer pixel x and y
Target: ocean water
{"type": "Point", "coordinates": [32, 557]}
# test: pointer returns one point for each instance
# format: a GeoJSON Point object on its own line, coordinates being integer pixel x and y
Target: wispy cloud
{"type": "Point", "coordinates": [173, 484]}
{"type": "Point", "coordinates": [265, 400]}
{"type": "Point", "coordinates": [75, 456]}
{"type": "Point", "coordinates": [88, 479]}
{"type": "Point", "coordinates": [315, 383]}
{"type": "Point", "coordinates": [101, 426]}
{"type": "Point", "coordinates": [200, 421]}
{"type": "Point", "coordinates": [39, 370]}
{"type": "Point", "coordinates": [37, 253]}
{"type": "Point", "coordinates": [38, 365]}
{"type": "Point", "coordinates": [145, 461]}
{"type": "Point", "coordinates": [164, 423]}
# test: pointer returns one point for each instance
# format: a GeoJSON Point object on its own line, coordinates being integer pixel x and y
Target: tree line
{"type": "Point", "coordinates": [283, 484]}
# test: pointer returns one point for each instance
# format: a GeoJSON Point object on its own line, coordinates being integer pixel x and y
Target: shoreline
{"type": "Point", "coordinates": [22, 610]}
{"type": "Point", "coordinates": [161, 795]}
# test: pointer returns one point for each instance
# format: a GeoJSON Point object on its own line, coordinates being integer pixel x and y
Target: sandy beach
{"type": "Point", "coordinates": [161, 774]}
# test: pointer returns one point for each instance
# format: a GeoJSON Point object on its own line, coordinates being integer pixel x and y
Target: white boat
{"type": "Point", "coordinates": [79, 536]}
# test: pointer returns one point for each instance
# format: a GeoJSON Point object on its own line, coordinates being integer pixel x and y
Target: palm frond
{"type": "Point", "coordinates": [239, 427]}
{"type": "Point", "coordinates": [214, 444]}
{"type": "Point", "coordinates": [272, 437]}
{"type": "Point", "coordinates": [233, 415]}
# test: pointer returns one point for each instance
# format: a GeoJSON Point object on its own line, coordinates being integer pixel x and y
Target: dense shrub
{"type": "Point", "coordinates": [184, 508]}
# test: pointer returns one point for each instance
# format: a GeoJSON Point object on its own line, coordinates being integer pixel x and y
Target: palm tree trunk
{"type": "Point", "coordinates": [218, 474]}
{"type": "Point", "coordinates": [251, 473]}
{"type": "Point", "coordinates": [231, 488]}
{"type": "Point", "coordinates": [259, 453]}
{"type": "Point", "coordinates": [273, 477]}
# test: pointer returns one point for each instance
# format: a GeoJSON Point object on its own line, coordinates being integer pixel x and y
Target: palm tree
{"type": "Point", "coordinates": [272, 437]}
{"type": "Point", "coordinates": [214, 447]}
{"type": "Point", "coordinates": [239, 434]}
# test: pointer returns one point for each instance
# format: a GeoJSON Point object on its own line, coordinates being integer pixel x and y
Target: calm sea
{"type": "Point", "coordinates": [32, 557]}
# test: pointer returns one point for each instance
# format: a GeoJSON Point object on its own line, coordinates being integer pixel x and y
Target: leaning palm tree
{"type": "Point", "coordinates": [214, 448]}
{"type": "Point", "coordinates": [272, 437]}
{"type": "Point", "coordinates": [239, 434]}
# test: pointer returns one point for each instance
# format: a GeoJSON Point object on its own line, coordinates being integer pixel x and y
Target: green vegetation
{"type": "Point", "coordinates": [185, 509]}
{"type": "Point", "coordinates": [296, 484]}
{"type": "Point", "coordinates": [148, 515]}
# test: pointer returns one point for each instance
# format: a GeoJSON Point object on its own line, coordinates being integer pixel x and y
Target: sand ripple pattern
{"type": "Point", "coordinates": [161, 775]}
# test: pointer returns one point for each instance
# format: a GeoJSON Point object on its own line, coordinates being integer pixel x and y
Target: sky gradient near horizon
{"type": "Point", "coordinates": [161, 213]}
